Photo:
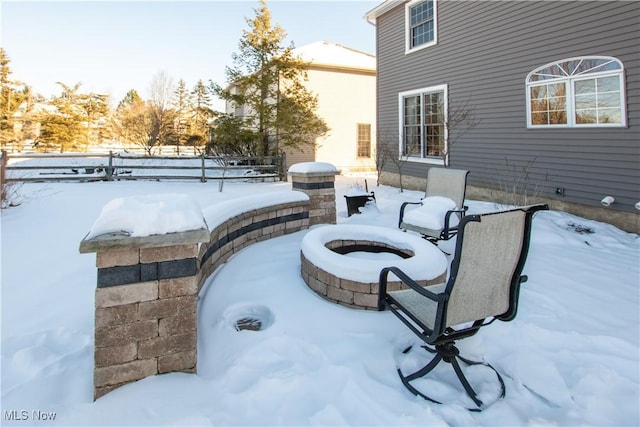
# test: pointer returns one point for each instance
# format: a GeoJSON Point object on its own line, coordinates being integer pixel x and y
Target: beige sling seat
{"type": "Point", "coordinates": [483, 285]}
{"type": "Point", "coordinates": [441, 209]}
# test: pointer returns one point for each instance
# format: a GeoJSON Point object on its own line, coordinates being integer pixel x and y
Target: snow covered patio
{"type": "Point", "coordinates": [570, 357]}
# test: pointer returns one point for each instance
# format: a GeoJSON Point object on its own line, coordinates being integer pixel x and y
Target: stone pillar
{"type": "Point", "coordinates": [317, 180]}
{"type": "Point", "coordinates": [145, 306]}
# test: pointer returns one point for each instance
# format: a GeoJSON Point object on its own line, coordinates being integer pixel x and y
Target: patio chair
{"type": "Point", "coordinates": [483, 285]}
{"type": "Point", "coordinates": [441, 209]}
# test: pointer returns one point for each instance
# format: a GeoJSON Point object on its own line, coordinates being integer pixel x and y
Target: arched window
{"type": "Point", "coordinates": [577, 92]}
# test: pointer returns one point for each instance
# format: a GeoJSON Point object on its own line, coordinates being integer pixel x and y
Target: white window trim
{"type": "Point", "coordinates": [407, 27]}
{"type": "Point", "coordinates": [358, 141]}
{"type": "Point", "coordinates": [569, 82]}
{"type": "Point", "coordinates": [438, 88]}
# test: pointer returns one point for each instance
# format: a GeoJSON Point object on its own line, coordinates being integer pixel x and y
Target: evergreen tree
{"type": "Point", "coordinates": [230, 137]}
{"type": "Point", "coordinates": [201, 115]}
{"type": "Point", "coordinates": [6, 127]}
{"type": "Point", "coordinates": [95, 108]}
{"type": "Point", "coordinates": [12, 95]}
{"type": "Point", "coordinates": [26, 125]}
{"type": "Point", "coordinates": [130, 98]}
{"type": "Point", "coordinates": [58, 132]}
{"type": "Point", "coordinates": [266, 82]}
{"type": "Point", "coordinates": [182, 105]}
{"type": "Point", "coordinates": [63, 128]}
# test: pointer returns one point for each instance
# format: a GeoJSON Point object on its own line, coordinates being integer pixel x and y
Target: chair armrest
{"type": "Point", "coordinates": [447, 232]}
{"type": "Point", "coordinates": [402, 208]}
{"type": "Point", "coordinates": [382, 288]}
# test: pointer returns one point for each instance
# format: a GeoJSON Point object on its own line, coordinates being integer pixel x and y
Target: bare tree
{"type": "Point", "coordinates": [160, 92]}
{"type": "Point", "coordinates": [518, 184]}
{"type": "Point", "coordinates": [133, 123]}
{"type": "Point", "coordinates": [386, 141]}
{"type": "Point", "coordinates": [461, 118]}
{"type": "Point", "coordinates": [9, 196]}
{"type": "Point", "coordinates": [382, 154]}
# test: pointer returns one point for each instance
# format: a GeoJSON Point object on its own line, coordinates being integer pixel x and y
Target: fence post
{"type": "Point", "coordinates": [3, 166]}
{"type": "Point", "coordinates": [204, 176]}
{"type": "Point", "coordinates": [109, 169]}
{"type": "Point", "coordinates": [281, 162]}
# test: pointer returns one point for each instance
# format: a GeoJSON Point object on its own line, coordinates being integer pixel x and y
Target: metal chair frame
{"type": "Point", "coordinates": [438, 180]}
{"type": "Point", "coordinates": [442, 336]}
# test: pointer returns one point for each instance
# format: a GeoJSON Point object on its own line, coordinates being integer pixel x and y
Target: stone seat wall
{"type": "Point", "coordinates": [246, 228]}
{"type": "Point", "coordinates": [147, 286]}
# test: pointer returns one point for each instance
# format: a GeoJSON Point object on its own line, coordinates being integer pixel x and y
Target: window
{"type": "Point", "coordinates": [421, 24]}
{"type": "Point", "coordinates": [577, 92]}
{"type": "Point", "coordinates": [364, 140]}
{"type": "Point", "coordinates": [422, 124]}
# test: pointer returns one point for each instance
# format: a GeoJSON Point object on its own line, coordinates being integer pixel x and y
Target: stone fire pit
{"type": "Point", "coordinates": [342, 263]}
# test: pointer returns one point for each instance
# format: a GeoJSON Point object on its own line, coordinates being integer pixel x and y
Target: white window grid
{"type": "Point", "coordinates": [556, 73]}
{"type": "Point", "coordinates": [420, 156]}
{"type": "Point", "coordinates": [428, 23]}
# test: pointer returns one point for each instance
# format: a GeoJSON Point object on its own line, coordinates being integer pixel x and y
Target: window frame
{"type": "Point", "coordinates": [436, 160]}
{"type": "Point", "coordinates": [569, 82]}
{"type": "Point", "coordinates": [407, 26]}
{"type": "Point", "coordinates": [360, 141]}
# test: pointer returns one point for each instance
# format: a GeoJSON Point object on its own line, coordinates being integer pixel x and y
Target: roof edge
{"type": "Point", "coordinates": [381, 9]}
{"type": "Point", "coordinates": [342, 68]}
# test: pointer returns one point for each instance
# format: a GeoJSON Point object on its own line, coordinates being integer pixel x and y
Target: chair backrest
{"type": "Point", "coordinates": [485, 274]}
{"type": "Point", "coordinates": [445, 182]}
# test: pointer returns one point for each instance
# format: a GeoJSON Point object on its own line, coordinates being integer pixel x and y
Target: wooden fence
{"type": "Point", "coordinates": [125, 166]}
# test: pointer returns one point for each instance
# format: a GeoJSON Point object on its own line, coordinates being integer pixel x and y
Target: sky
{"type": "Point", "coordinates": [112, 47]}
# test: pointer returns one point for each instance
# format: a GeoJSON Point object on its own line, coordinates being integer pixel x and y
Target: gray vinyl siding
{"type": "Point", "coordinates": [484, 53]}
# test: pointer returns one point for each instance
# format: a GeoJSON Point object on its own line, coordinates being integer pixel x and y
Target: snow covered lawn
{"type": "Point", "coordinates": [571, 356]}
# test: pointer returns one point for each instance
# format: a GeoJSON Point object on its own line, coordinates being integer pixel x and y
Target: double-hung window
{"type": "Point", "coordinates": [364, 140]}
{"type": "Point", "coordinates": [421, 24]}
{"type": "Point", "coordinates": [577, 92]}
{"type": "Point", "coordinates": [423, 133]}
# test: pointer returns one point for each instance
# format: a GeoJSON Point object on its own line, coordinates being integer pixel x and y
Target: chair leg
{"type": "Point", "coordinates": [471, 362]}
{"type": "Point", "coordinates": [463, 380]}
{"type": "Point", "coordinates": [449, 353]}
{"type": "Point", "coordinates": [426, 369]}
{"type": "Point", "coordinates": [406, 380]}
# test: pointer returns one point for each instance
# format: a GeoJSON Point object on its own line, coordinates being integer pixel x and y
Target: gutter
{"type": "Point", "coordinates": [381, 9]}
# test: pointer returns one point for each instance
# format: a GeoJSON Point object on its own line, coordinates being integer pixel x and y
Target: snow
{"type": "Point", "coordinates": [356, 191]}
{"type": "Point", "coordinates": [427, 263]}
{"type": "Point", "coordinates": [126, 165]}
{"type": "Point", "coordinates": [332, 54]}
{"type": "Point", "coordinates": [570, 357]}
{"type": "Point", "coordinates": [431, 214]}
{"type": "Point", "coordinates": [313, 167]}
{"type": "Point", "coordinates": [218, 213]}
{"type": "Point", "coordinates": [148, 215]}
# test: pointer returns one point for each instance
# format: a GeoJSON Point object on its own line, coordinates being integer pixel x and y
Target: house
{"type": "Point", "coordinates": [26, 124]}
{"type": "Point", "coordinates": [534, 95]}
{"type": "Point", "coordinates": [344, 81]}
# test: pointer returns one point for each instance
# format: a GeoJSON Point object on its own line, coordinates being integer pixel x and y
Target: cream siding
{"type": "Point", "coordinates": [346, 98]}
